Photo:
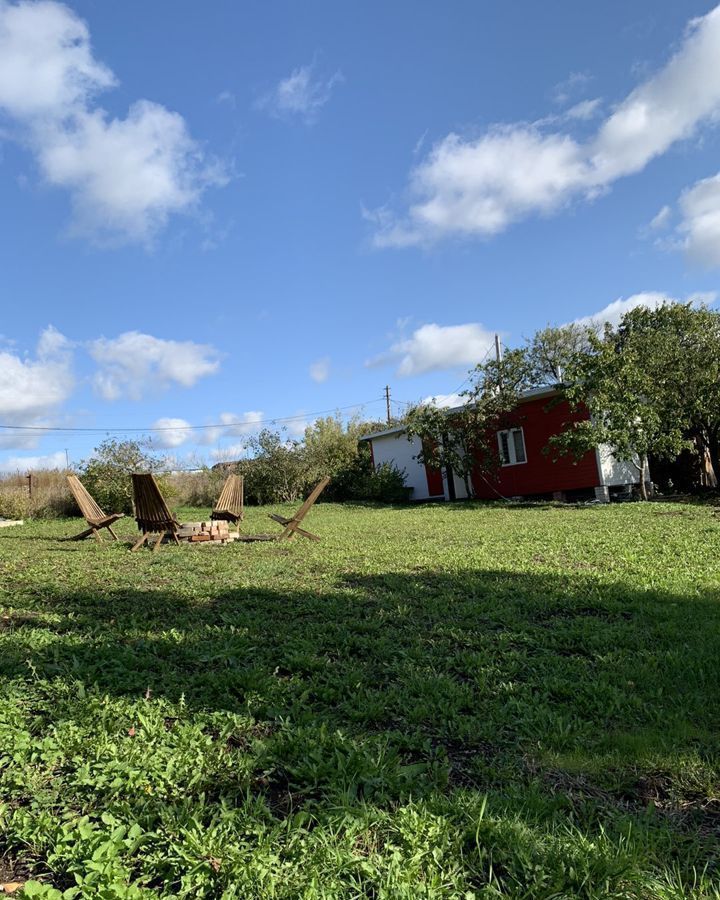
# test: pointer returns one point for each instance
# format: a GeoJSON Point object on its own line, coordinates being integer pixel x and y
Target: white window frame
{"type": "Point", "coordinates": [513, 461]}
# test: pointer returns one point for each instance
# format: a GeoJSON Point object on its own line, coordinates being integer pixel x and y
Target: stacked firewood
{"type": "Point", "coordinates": [196, 532]}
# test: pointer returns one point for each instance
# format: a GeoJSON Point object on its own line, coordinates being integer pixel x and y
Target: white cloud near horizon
{"type": "Point", "coordinates": [478, 187]}
{"type": "Point", "coordinates": [445, 401]}
{"type": "Point", "coordinates": [433, 347]}
{"type": "Point", "coordinates": [299, 96]}
{"type": "Point", "coordinates": [613, 312]}
{"type": "Point", "coordinates": [24, 464]}
{"type": "Point", "coordinates": [168, 432]}
{"type": "Point", "coordinates": [33, 389]}
{"type": "Point", "coordinates": [134, 363]}
{"type": "Point", "coordinates": [125, 176]}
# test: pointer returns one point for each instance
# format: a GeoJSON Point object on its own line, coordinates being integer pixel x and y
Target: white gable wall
{"type": "Point", "coordinates": [614, 471]}
{"type": "Point", "coordinates": [399, 450]}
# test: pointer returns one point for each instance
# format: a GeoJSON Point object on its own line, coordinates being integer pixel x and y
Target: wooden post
{"type": "Point", "coordinates": [29, 479]}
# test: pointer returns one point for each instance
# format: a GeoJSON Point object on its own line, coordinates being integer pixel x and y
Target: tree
{"type": "Point", "coordinates": [277, 469]}
{"type": "Point", "coordinates": [462, 440]}
{"type": "Point", "coordinates": [679, 345]}
{"type": "Point", "coordinates": [107, 473]}
{"type": "Point", "coordinates": [553, 350]}
{"type": "Point", "coordinates": [630, 383]}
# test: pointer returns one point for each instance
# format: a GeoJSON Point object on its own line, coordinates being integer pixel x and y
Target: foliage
{"type": "Point", "coordinates": [648, 384]}
{"type": "Point", "coordinates": [280, 470]}
{"type": "Point", "coordinates": [552, 351]}
{"type": "Point", "coordinates": [277, 469]}
{"type": "Point", "coordinates": [107, 473]}
{"type": "Point", "coordinates": [435, 701]}
{"type": "Point", "coordinates": [678, 345]}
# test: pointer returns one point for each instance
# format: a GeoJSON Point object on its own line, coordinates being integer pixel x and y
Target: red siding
{"type": "Point", "coordinates": [540, 420]}
{"type": "Point", "coordinates": [436, 488]}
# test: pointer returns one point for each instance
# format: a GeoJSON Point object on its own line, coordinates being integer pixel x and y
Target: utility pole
{"type": "Point", "coordinates": [387, 403]}
{"type": "Point", "coordinates": [67, 460]}
{"type": "Point", "coordinates": [498, 349]}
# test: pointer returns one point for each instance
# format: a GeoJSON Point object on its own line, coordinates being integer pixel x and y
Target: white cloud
{"type": "Point", "coordinates": [433, 347]}
{"type": "Point", "coordinates": [699, 229]}
{"type": "Point", "coordinates": [135, 363]}
{"type": "Point", "coordinates": [33, 390]}
{"type": "Point", "coordinates": [480, 186]}
{"type": "Point", "coordinates": [33, 463]}
{"type": "Point", "coordinates": [46, 63]}
{"type": "Point", "coordinates": [301, 95]}
{"type": "Point", "coordinates": [584, 110]}
{"type": "Point", "coordinates": [320, 370]}
{"type": "Point", "coordinates": [245, 423]}
{"type": "Point", "coordinates": [168, 432]}
{"type": "Point", "coordinates": [660, 219]}
{"type": "Point", "coordinates": [445, 401]}
{"type": "Point", "coordinates": [228, 454]}
{"type": "Point", "coordinates": [570, 87]}
{"type": "Point", "coordinates": [613, 312]}
{"type": "Point", "coordinates": [125, 176]}
{"type": "Point", "coordinates": [227, 97]}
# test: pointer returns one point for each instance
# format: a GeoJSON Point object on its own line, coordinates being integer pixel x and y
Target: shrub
{"type": "Point", "coordinates": [200, 488]}
{"type": "Point", "coordinates": [107, 473]}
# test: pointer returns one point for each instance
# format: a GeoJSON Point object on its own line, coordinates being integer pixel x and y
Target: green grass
{"type": "Point", "coordinates": [442, 701]}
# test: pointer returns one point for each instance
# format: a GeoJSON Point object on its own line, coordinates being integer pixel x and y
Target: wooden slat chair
{"type": "Point", "coordinates": [291, 527]}
{"type": "Point", "coordinates": [229, 505]}
{"type": "Point", "coordinates": [151, 512]}
{"type": "Point", "coordinates": [91, 512]}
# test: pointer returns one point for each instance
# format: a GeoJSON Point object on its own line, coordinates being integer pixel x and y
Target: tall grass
{"type": "Point", "coordinates": [50, 498]}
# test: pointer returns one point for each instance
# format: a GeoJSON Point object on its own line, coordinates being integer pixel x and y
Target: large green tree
{"type": "Point", "coordinates": [650, 385]}
{"type": "Point", "coordinates": [552, 350]}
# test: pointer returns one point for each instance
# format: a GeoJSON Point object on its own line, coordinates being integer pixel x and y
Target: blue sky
{"type": "Point", "coordinates": [226, 214]}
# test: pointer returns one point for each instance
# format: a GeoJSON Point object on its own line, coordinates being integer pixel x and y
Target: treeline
{"type": "Point", "coordinates": [276, 469]}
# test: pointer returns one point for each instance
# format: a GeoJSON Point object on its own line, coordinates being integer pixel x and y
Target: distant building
{"type": "Point", "coordinates": [525, 470]}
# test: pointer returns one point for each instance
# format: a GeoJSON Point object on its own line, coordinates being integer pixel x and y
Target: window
{"type": "Point", "coordinates": [511, 444]}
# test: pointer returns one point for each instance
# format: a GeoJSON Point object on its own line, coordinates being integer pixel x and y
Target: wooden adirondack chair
{"type": "Point", "coordinates": [151, 512]}
{"type": "Point", "coordinates": [92, 513]}
{"type": "Point", "coordinates": [229, 505]}
{"type": "Point", "coordinates": [291, 527]}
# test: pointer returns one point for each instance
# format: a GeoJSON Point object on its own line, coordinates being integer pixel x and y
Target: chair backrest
{"type": "Point", "coordinates": [151, 510]}
{"type": "Point", "coordinates": [88, 507]}
{"type": "Point", "coordinates": [312, 497]}
{"type": "Point", "coordinates": [231, 497]}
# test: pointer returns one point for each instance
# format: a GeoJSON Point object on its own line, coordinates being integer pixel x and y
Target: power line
{"type": "Point", "coordinates": [59, 429]}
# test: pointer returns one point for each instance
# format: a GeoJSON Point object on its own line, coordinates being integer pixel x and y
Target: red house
{"type": "Point", "coordinates": [524, 470]}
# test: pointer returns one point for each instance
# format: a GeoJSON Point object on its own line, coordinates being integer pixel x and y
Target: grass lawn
{"type": "Point", "coordinates": [442, 701]}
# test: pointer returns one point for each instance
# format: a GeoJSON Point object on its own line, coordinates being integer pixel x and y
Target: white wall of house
{"type": "Point", "coordinates": [614, 471]}
{"type": "Point", "coordinates": [399, 450]}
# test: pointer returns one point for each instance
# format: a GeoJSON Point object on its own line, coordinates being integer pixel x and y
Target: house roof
{"type": "Point", "coordinates": [546, 390]}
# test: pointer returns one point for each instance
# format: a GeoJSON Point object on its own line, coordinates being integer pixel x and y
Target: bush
{"type": "Point", "coordinates": [106, 474]}
{"type": "Point", "coordinates": [386, 484]}
{"type": "Point", "coordinates": [201, 488]}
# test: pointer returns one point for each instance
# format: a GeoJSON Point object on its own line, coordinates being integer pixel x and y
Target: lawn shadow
{"type": "Point", "coordinates": [506, 663]}
{"type": "Point", "coordinates": [558, 696]}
